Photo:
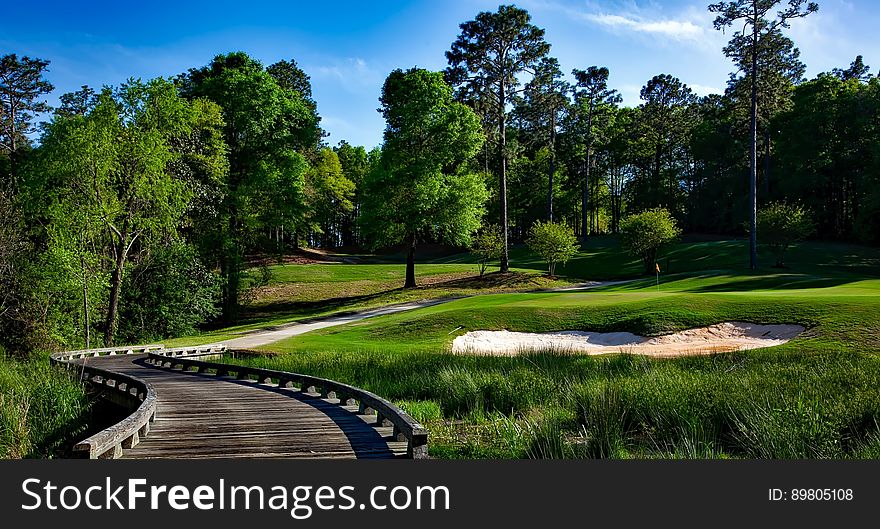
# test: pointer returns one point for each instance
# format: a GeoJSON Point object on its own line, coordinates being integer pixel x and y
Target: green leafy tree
{"type": "Point", "coordinates": [555, 242]}
{"type": "Point", "coordinates": [643, 234]}
{"type": "Point", "coordinates": [485, 61]}
{"type": "Point", "coordinates": [268, 125]}
{"type": "Point", "coordinates": [667, 116]}
{"type": "Point", "coordinates": [782, 225]}
{"type": "Point", "coordinates": [546, 99]}
{"type": "Point", "coordinates": [329, 196]}
{"type": "Point", "coordinates": [857, 70]}
{"type": "Point", "coordinates": [356, 163]}
{"type": "Point", "coordinates": [21, 89]}
{"type": "Point", "coordinates": [594, 105]}
{"type": "Point", "coordinates": [168, 293]}
{"type": "Point", "coordinates": [487, 245]}
{"type": "Point", "coordinates": [115, 167]}
{"type": "Point", "coordinates": [758, 28]}
{"type": "Point", "coordinates": [422, 186]}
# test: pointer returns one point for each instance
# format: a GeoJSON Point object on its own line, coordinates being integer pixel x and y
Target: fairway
{"type": "Point", "coordinates": [810, 397]}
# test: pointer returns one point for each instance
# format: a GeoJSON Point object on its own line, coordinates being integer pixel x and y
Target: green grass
{"type": "Point", "coordinates": [42, 409]}
{"type": "Point", "coordinates": [603, 258]}
{"type": "Point", "coordinates": [814, 397]}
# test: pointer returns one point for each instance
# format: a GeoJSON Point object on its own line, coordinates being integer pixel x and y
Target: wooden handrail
{"type": "Point", "coordinates": [139, 394]}
{"type": "Point", "coordinates": [405, 427]}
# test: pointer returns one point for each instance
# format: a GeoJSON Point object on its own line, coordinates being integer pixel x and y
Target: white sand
{"type": "Point", "coordinates": [723, 337]}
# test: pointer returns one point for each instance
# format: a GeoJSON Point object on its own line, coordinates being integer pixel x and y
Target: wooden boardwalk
{"type": "Point", "coordinates": [203, 416]}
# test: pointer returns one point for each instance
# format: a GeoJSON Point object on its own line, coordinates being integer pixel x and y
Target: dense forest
{"type": "Point", "coordinates": [130, 213]}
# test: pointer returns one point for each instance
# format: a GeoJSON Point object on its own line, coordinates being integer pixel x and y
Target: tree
{"type": "Point", "coordinates": [329, 196]}
{"type": "Point", "coordinates": [753, 14]}
{"type": "Point", "coordinates": [487, 246]}
{"type": "Point", "coordinates": [422, 186]}
{"type": "Point", "coordinates": [857, 70]}
{"type": "Point", "coordinates": [592, 95]}
{"type": "Point", "coordinates": [356, 163]}
{"type": "Point", "coordinates": [77, 103]}
{"type": "Point", "coordinates": [485, 62]}
{"type": "Point", "coordinates": [668, 113]}
{"type": "Point", "coordinates": [267, 127]}
{"type": "Point", "coordinates": [546, 98]}
{"type": "Point", "coordinates": [555, 242]}
{"type": "Point", "coordinates": [781, 69]}
{"type": "Point", "coordinates": [115, 166]}
{"type": "Point", "coordinates": [643, 234]}
{"type": "Point", "coordinates": [21, 87]}
{"type": "Point", "coordinates": [782, 225]}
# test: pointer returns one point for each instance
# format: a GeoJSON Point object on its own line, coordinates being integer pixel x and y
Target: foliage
{"type": "Point", "coordinates": [128, 145]}
{"type": "Point", "coordinates": [485, 63]}
{"type": "Point", "coordinates": [643, 234]}
{"type": "Point", "coordinates": [781, 225]}
{"type": "Point", "coordinates": [329, 195]}
{"type": "Point", "coordinates": [267, 123]}
{"type": "Point", "coordinates": [555, 242]}
{"type": "Point", "coordinates": [487, 245]}
{"type": "Point", "coordinates": [169, 293]}
{"type": "Point", "coordinates": [422, 186]}
{"type": "Point", "coordinates": [42, 409]}
{"type": "Point", "coordinates": [21, 88]}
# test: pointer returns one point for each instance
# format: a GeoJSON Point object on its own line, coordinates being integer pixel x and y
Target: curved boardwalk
{"type": "Point", "coordinates": [203, 416]}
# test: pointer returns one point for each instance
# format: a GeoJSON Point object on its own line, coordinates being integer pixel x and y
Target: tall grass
{"type": "Point", "coordinates": [42, 409]}
{"type": "Point", "coordinates": [758, 404]}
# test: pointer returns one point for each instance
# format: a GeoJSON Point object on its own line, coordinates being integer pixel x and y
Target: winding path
{"type": "Point", "coordinates": [269, 335]}
{"type": "Point", "coordinates": [203, 416]}
{"type": "Point", "coordinates": [206, 413]}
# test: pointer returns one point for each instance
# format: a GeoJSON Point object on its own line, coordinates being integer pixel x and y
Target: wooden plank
{"type": "Point", "coordinates": [203, 416]}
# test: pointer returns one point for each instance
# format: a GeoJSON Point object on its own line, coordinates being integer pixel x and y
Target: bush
{"type": "Point", "coordinates": [168, 295]}
{"type": "Point", "coordinates": [645, 233]}
{"type": "Point", "coordinates": [780, 225]}
{"type": "Point", "coordinates": [555, 242]}
{"type": "Point", "coordinates": [488, 245]}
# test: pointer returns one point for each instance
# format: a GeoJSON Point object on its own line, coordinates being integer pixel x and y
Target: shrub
{"type": "Point", "coordinates": [488, 246]}
{"type": "Point", "coordinates": [645, 233]}
{"type": "Point", "coordinates": [168, 295]}
{"type": "Point", "coordinates": [780, 225]}
{"type": "Point", "coordinates": [555, 242]}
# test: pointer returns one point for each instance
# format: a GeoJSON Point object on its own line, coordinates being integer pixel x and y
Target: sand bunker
{"type": "Point", "coordinates": [720, 338]}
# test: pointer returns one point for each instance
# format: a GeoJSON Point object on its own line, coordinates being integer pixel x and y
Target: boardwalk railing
{"type": "Point", "coordinates": [131, 391]}
{"type": "Point", "coordinates": [387, 414]}
{"type": "Point", "coordinates": [140, 395]}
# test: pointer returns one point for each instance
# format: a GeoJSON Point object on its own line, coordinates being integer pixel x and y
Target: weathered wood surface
{"type": "Point", "coordinates": [205, 416]}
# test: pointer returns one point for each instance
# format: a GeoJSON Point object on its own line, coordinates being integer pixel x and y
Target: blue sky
{"type": "Point", "coordinates": [348, 47]}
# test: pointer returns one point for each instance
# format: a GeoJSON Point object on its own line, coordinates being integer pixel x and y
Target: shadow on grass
{"type": "Point", "coordinates": [454, 287]}
{"type": "Point", "coordinates": [774, 282]}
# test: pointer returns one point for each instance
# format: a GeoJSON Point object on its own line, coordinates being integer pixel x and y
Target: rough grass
{"type": "Point", "coordinates": [42, 409]}
{"type": "Point", "coordinates": [814, 397]}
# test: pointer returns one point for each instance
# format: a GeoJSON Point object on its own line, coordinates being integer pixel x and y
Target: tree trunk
{"type": "Point", "coordinates": [411, 264]}
{"type": "Point", "coordinates": [767, 163]}
{"type": "Point", "coordinates": [552, 166]}
{"type": "Point", "coordinates": [753, 154]}
{"type": "Point", "coordinates": [586, 192]}
{"type": "Point", "coordinates": [86, 322]}
{"type": "Point", "coordinates": [502, 155]}
{"type": "Point", "coordinates": [115, 289]}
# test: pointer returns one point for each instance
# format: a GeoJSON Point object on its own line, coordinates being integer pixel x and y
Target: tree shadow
{"type": "Point", "coordinates": [774, 282]}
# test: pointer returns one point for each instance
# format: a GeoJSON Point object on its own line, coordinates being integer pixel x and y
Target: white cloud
{"type": "Point", "coordinates": [679, 30]}
{"type": "Point", "coordinates": [353, 73]}
{"type": "Point", "coordinates": [703, 90]}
